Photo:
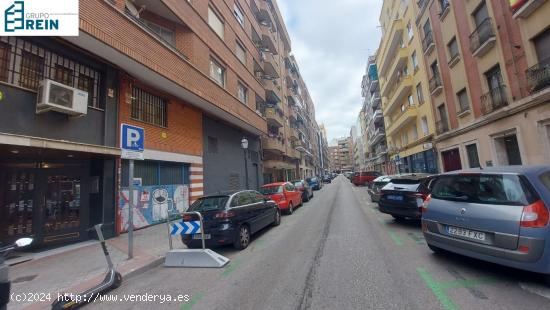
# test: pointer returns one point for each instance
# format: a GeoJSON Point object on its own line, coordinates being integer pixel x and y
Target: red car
{"type": "Point", "coordinates": [285, 194]}
{"type": "Point", "coordinates": [364, 178]}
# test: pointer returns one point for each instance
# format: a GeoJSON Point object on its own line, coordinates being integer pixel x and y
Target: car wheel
{"type": "Point", "coordinates": [290, 208]}
{"type": "Point", "coordinates": [243, 238]}
{"type": "Point", "coordinates": [435, 249]}
{"type": "Point", "coordinates": [277, 221]}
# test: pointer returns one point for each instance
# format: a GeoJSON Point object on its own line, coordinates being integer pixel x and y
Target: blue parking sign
{"type": "Point", "coordinates": [132, 141]}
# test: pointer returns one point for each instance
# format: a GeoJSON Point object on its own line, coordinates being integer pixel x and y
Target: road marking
{"type": "Point", "coordinates": [439, 288]}
{"type": "Point", "coordinates": [438, 291]}
{"type": "Point", "coordinates": [395, 238]}
{"type": "Point", "coordinates": [194, 300]}
{"type": "Point", "coordinates": [231, 268]}
{"type": "Point", "coordinates": [416, 238]}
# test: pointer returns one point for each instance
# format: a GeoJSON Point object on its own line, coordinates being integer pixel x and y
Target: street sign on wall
{"type": "Point", "coordinates": [132, 142]}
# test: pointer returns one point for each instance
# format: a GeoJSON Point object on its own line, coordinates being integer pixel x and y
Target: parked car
{"type": "Point", "coordinates": [498, 214]}
{"type": "Point", "coordinates": [315, 183]}
{"type": "Point", "coordinates": [404, 195]}
{"type": "Point", "coordinates": [231, 218]}
{"type": "Point", "coordinates": [327, 179]}
{"type": "Point", "coordinates": [377, 185]}
{"type": "Point", "coordinates": [303, 186]}
{"type": "Point", "coordinates": [348, 174]}
{"type": "Point", "coordinates": [364, 178]}
{"type": "Point", "coordinates": [286, 195]}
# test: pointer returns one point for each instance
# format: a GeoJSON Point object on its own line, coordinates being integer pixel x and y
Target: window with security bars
{"type": "Point", "coordinates": [149, 108]}
{"type": "Point", "coordinates": [25, 64]}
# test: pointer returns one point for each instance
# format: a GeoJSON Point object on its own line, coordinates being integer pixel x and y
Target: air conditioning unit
{"type": "Point", "coordinates": [58, 97]}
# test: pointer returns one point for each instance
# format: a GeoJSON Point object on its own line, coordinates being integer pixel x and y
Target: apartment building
{"type": "Point", "coordinates": [374, 132]}
{"type": "Point", "coordinates": [406, 108]}
{"type": "Point", "coordinates": [488, 67]}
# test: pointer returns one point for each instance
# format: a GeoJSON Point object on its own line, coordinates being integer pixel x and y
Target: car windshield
{"type": "Point", "coordinates": [298, 184]}
{"type": "Point", "coordinates": [313, 180]}
{"type": "Point", "coordinates": [270, 190]}
{"type": "Point", "coordinates": [502, 189]}
{"type": "Point", "coordinates": [212, 203]}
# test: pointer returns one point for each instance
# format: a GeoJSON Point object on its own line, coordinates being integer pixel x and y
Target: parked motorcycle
{"type": "Point", "coordinates": [5, 283]}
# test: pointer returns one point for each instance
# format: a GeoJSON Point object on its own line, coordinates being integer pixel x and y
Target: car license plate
{"type": "Point", "coordinates": [199, 236]}
{"type": "Point", "coordinates": [395, 197]}
{"type": "Point", "coordinates": [470, 234]}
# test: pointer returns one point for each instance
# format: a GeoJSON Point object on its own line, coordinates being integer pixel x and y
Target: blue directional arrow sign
{"type": "Point", "coordinates": [186, 228]}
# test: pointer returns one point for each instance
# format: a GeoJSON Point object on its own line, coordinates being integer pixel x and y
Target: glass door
{"type": "Point", "coordinates": [61, 207]}
{"type": "Point", "coordinates": [17, 200]}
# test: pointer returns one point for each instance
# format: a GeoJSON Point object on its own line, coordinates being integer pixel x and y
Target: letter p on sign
{"type": "Point", "coordinates": [132, 138]}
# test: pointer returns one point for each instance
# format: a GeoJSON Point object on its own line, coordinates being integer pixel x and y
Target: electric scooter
{"type": "Point", "coordinates": [5, 283]}
{"type": "Point", "coordinates": [112, 280]}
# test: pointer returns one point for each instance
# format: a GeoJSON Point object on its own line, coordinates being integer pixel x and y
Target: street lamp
{"type": "Point", "coordinates": [244, 145]}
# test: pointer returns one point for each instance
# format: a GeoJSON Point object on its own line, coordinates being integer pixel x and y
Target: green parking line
{"type": "Point", "coordinates": [395, 238]}
{"type": "Point", "coordinates": [193, 301]}
{"type": "Point", "coordinates": [437, 289]}
{"type": "Point", "coordinates": [416, 238]}
{"type": "Point", "coordinates": [231, 268]}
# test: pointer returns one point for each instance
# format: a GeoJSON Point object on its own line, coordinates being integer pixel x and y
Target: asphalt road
{"type": "Point", "coordinates": [339, 252]}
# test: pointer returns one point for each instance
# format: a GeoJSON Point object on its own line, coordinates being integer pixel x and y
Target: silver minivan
{"type": "Point", "coordinates": [497, 214]}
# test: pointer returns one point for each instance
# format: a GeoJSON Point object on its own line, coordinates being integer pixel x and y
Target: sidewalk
{"type": "Point", "coordinates": [74, 269]}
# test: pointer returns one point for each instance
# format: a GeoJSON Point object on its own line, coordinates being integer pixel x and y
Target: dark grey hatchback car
{"type": "Point", "coordinates": [231, 218]}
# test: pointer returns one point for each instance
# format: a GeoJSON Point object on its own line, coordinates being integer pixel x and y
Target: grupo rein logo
{"type": "Point", "coordinates": [39, 18]}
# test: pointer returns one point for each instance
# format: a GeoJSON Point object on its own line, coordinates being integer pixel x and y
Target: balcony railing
{"type": "Point", "coordinates": [483, 34]}
{"type": "Point", "coordinates": [538, 76]}
{"type": "Point", "coordinates": [494, 100]}
{"type": "Point", "coordinates": [435, 83]}
{"type": "Point", "coordinates": [441, 127]}
{"type": "Point", "coordinates": [428, 41]}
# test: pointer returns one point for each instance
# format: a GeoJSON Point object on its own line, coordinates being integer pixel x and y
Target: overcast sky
{"type": "Point", "coordinates": [331, 41]}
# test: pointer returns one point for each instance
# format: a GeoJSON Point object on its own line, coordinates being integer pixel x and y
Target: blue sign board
{"type": "Point", "coordinates": [132, 138]}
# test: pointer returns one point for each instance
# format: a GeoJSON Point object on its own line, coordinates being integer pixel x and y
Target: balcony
{"type": "Point", "coordinates": [395, 39]}
{"type": "Point", "coordinates": [402, 88]}
{"type": "Point", "coordinates": [381, 150]}
{"type": "Point", "coordinates": [294, 133]}
{"type": "Point", "coordinates": [494, 100]}
{"type": "Point", "coordinates": [274, 144]}
{"type": "Point", "coordinates": [483, 38]}
{"type": "Point", "coordinates": [274, 116]}
{"type": "Point", "coordinates": [395, 71]}
{"type": "Point", "coordinates": [435, 85]}
{"type": "Point", "coordinates": [441, 127]}
{"type": "Point", "coordinates": [377, 136]}
{"type": "Point", "coordinates": [428, 44]}
{"type": "Point", "coordinates": [267, 39]}
{"type": "Point", "coordinates": [270, 65]}
{"type": "Point", "coordinates": [291, 100]}
{"type": "Point", "coordinates": [375, 101]}
{"type": "Point", "coordinates": [538, 76]}
{"type": "Point", "coordinates": [272, 91]}
{"type": "Point", "coordinates": [527, 8]}
{"type": "Point", "coordinates": [373, 85]}
{"type": "Point", "coordinates": [404, 118]}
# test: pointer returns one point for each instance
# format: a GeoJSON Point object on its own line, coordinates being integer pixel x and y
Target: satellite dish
{"type": "Point", "coordinates": [130, 6]}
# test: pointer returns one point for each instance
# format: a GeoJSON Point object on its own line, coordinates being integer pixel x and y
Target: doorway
{"type": "Point", "coordinates": [451, 160]}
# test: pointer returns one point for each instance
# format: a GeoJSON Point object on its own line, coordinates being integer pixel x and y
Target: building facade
{"type": "Point", "coordinates": [376, 151]}
{"type": "Point", "coordinates": [488, 64]}
{"type": "Point", "coordinates": [406, 107]}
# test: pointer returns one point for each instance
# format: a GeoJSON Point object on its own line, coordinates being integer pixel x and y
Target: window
{"type": "Point", "coordinates": [435, 69]}
{"type": "Point", "coordinates": [212, 145]}
{"type": "Point", "coordinates": [86, 84]}
{"type": "Point", "coordinates": [32, 70]}
{"type": "Point", "coordinates": [481, 14]}
{"type": "Point", "coordinates": [414, 133]}
{"type": "Point", "coordinates": [419, 93]}
{"type": "Point", "coordinates": [444, 4]}
{"type": "Point", "coordinates": [154, 173]}
{"type": "Point", "coordinates": [427, 29]}
{"type": "Point", "coordinates": [217, 72]}
{"type": "Point", "coordinates": [238, 14]}
{"type": "Point", "coordinates": [215, 22]}
{"type": "Point", "coordinates": [542, 46]}
{"type": "Point", "coordinates": [240, 52]}
{"type": "Point", "coordinates": [425, 129]}
{"type": "Point", "coordinates": [473, 157]}
{"type": "Point", "coordinates": [464, 105]}
{"type": "Point", "coordinates": [164, 33]}
{"type": "Point", "coordinates": [414, 61]}
{"type": "Point", "coordinates": [4, 61]}
{"type": "Point", "coordinates": [411, 100]}
{"type": "Point", "coordinates": [494, 78]}
{"type": "Point", "coordinates": [242, 93]}
{"type": "Point", "coordinates": [453, 48]}
{"type": "Point", "coordinates": [410, 31]}
{"type": "Point", "coordinates": [63, 75]}
{"type": "Point", "coordinates": [148, 108]}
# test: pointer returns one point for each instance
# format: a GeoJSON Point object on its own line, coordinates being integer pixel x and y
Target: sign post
{"type": "Point", "coordinates": [132, 145]}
